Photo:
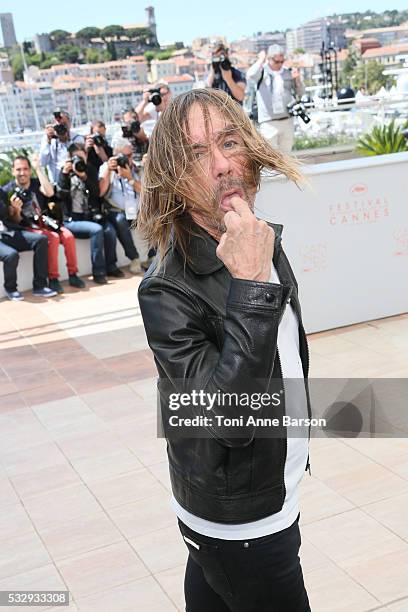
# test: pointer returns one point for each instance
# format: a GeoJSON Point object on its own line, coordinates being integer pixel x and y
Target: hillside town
{"type": "Point", "coordinates": [93, 85]}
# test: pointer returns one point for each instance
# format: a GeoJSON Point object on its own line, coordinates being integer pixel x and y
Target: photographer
{"type": "Point", "coordinates": [224, 76]}
{"type": "Point", "coordinates": [14, 240]}
{"type": "Point", "coordinates": [120, 186]}
{"type": "Point", "coordinates": [78, 187]}
{"type": "Point", "coordinates": [96, 145]}
{"type": "Point", "coordinates": [276, 88]}
{"type": "Point", "coordinates": [155, 100]}
{"type": "Point", "coordinates": [54, 145]}
{"type": "Point", "coordinates": [35, 216]}
{"type": "Point", "coordinates": [131, 132]}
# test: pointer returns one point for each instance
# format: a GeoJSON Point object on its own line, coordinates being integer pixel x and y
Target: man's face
{"type": "Point", "coordinates": [22, 172]}
{"type": "Point", "coordinates": [127, 150]}
{"type": "Point", "coordinates": [276, 62]}
{"type": "Point", "coordinates": [64, 120]}
{"type": "Point", "coordinates": [129, 116]}
{"type": "Point", "coordinates": [220, 167]}
{"type": "Point", "coordinates": [165, 95]}
{"type": "Point", "coordinates": [99, 129]}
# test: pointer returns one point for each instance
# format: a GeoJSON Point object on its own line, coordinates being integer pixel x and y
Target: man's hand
{"type": "Point", "coordinates": [16, 204]}
{"type": "Point", "coordinates": [67, 167]}
{"type": "Point", "coordinates": [262, 56]}
{"type": "Point", "coordinates": [35, 161]}
{"type": "Point", "coordinates": [246, 248]}
{"type": "Point", "coordinates": [15, 208]}
{"type": "Point", "coordinates": [50, 132]}
{"type": "Point", "coordinates": [89, 143]}
{"type": "Point", "coordinates": [125, 172]}
{"type": "Point", "coordinates": [226, 74]}
{"type": "Point", "coordinates": [112, 164]}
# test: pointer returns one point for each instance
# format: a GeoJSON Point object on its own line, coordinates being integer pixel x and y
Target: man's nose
{"type": "Point", "coordinates": [221, 164]}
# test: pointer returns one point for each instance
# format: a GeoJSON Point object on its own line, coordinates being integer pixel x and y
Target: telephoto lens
{"type": "Point", "coordinates": [155, 97]}
{"type": "Point", "coordinates": [78, 163]}
{"type": "Point", "coordinates": [122, 160]}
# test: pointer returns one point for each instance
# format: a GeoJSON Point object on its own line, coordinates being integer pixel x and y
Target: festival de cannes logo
{"type": "Point", "coordinates": [360, 207]}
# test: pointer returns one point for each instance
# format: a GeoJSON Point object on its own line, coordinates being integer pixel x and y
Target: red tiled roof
{"type": "Point", "coordinates": [388, 50]}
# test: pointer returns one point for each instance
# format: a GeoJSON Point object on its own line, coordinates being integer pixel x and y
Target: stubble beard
{"type": "Point", "coordinates": [217, 219]}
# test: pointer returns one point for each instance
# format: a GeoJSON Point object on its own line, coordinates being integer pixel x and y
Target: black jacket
{"type": "Point", "coordinates": [91, 185]}
{"type": "Point", "coordinates": [203, 325]}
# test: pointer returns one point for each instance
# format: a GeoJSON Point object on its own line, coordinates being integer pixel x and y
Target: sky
{"type": "Point", "coordinates": [181, 19]}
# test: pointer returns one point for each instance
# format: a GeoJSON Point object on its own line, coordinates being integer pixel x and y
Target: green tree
{"type": "Point", "coordinates": [17, 67]}
{"type": "Point", "coordinates": [60, 36]}
{"type": "Point", "coordinates": [370, 74]}
{"type": "Point", "coordinates": [298, 51]}
{"type": "Point", "coordinates": [68, 53]}
{"type": "Point", "coordinates": [149, 55]}
{"type": "Point", "coordinates": [111, 49]}
{"type": "Point", "coordinates": [51, 60]}
{"type": "Point", "coordinates": [141, 33]}
{"type": "Point", "coordinates": [94, 56]}
{"type": "Point", "coordinates": [164, 55]}
{"type": "Point", "coordinates": [88, 33]}
{"type": "Point", "coordinates": [124, 53]}
{"type": "Point", "coordinates": [349, 66]}
{"type": "Point", "coordinates": [113, 31]}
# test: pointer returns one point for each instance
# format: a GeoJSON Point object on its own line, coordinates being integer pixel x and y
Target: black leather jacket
{"type": "Point", "coordinates": [203, 324]}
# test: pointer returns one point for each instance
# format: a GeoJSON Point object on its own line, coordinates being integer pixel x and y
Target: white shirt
{"type": "Point", "coordinates": [54, 154]}
{"type": "Point", "coordinates": [120, 189]}
{"type": "Point", "coordinates": [277, 92]}
{"type": "Point", "coordinates": [297, 447]}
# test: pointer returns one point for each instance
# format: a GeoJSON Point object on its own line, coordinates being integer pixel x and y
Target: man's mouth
{"type": "Point", "coordinates": [225, 203]}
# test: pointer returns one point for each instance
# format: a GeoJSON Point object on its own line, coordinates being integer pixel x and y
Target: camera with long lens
{"type": "Point", "coordinates": [129, 130]}
{"type": "Point", "coordinates": [155, 96]}
{"type": "Point", "coordinates": [22, 194]}
{"type": "Point", "coordinates": [122, 160]}
{"type": "Point", "coordinates": [98, 140]}
{"type": "Point", "coordinates": [50, 223]}
{"type": "Point", "coordinates": [60, 130]}
{"type": "Point", "coordinates": [221, 61]}
{"type": "Point", "coordinates": [78, 163]}
{"type": "Point", "coordinates": [28, 216]}
{"type": "Point", "coordinates": [298, 109]}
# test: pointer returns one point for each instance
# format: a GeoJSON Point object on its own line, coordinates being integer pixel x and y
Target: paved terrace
{"type": "Point", "coordinates": [84, 490]}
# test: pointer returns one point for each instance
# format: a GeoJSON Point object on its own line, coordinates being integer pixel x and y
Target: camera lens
{"type": "Point", "coordinates": [78, 164]}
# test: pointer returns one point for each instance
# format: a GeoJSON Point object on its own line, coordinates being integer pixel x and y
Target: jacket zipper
{"type": "Point", "coordinates": [286, 440]}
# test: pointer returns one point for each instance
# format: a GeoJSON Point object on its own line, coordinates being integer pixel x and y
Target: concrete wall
{"type": "Point", "coordinates": [25, 267]}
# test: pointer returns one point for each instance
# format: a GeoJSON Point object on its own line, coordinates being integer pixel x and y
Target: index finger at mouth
{"type": "Point", "coordinates": [240, 207]}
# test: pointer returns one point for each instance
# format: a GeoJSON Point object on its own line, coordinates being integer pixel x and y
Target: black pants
{"type": "Point", "coordinates": [257, 575]}
{"type": "Point", "coordinates": [11, 246]}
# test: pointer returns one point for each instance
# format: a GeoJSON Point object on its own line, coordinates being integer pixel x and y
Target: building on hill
{"type": "Point", "coordinates": [311, 35]}
{"type": "Point", "coordinates": [391, 56]}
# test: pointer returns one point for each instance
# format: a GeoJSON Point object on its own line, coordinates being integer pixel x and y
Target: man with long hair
{"type": "Point", "coordinates": [222, 317]}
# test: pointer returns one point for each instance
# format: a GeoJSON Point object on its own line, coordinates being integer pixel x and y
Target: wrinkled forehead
{"type": "Point", "coordinates": [204, 125]}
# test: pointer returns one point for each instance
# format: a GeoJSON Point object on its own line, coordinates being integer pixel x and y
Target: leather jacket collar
{"type": "Point", "coordinates": [202, 248]}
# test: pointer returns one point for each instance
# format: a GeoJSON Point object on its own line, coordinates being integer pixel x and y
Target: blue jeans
{"type": "Point", "coordinates": [10, 246]}
{"type": "Point", "coordinates": [103, 243]}
{"type": "Point", "coordinates": [121, 225]}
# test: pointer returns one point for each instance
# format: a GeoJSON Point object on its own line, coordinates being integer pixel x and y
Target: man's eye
{"type": "Point", "coordinates": [230, 144]}
{"type": "Point", "coordinates": [199, 153]}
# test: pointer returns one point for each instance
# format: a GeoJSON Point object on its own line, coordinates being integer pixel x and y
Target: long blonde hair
{"type": "Point", "coordinates": [168, 180]}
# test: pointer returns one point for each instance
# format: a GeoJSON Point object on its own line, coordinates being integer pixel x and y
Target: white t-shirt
{"type": "Point", "coordinates": [297, 447]}
{"type": "Point", "coordinates": [277, 92]}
